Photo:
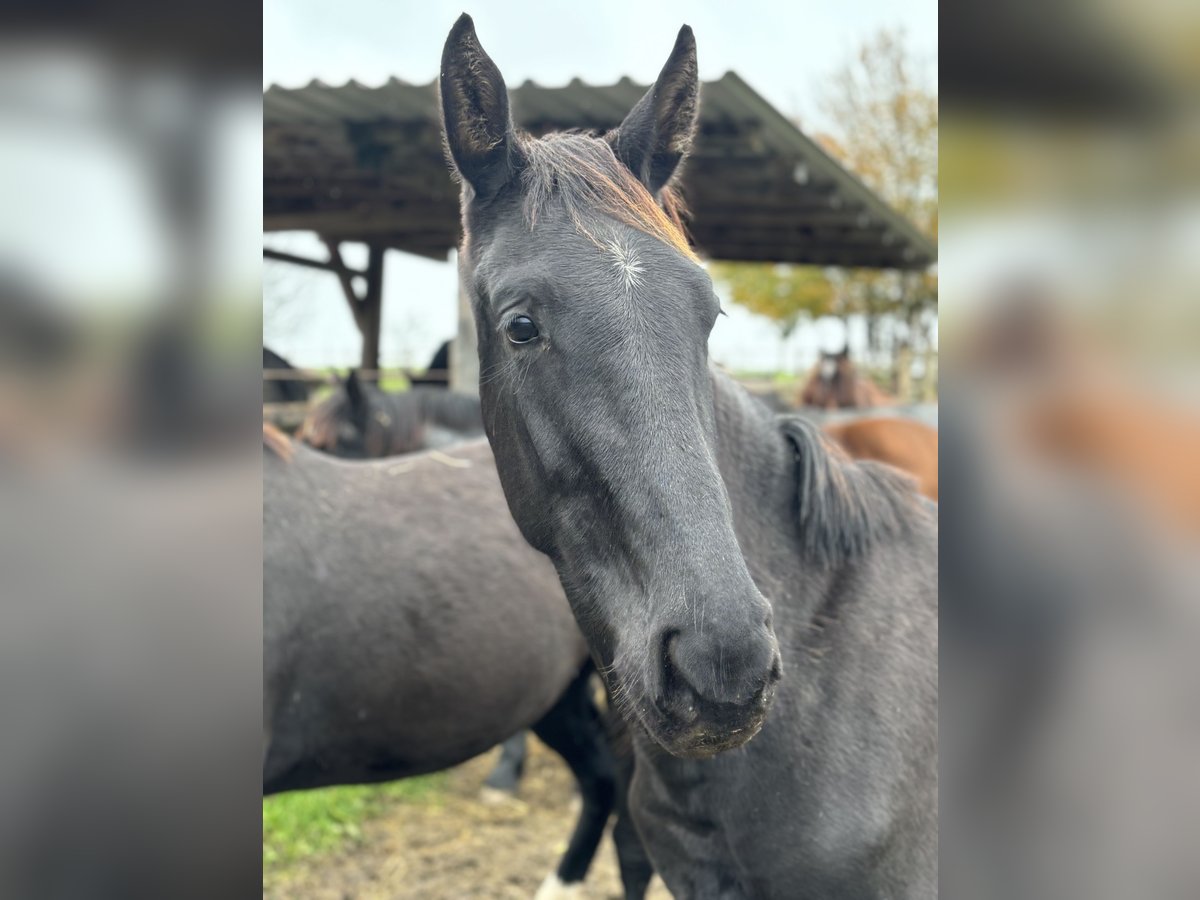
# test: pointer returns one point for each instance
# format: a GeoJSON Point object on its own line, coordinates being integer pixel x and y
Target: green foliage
{"type": "Point", "coordinates": [304, 823]}
{"type": "Point", "coordinates": [884, 104]}
{"type": "Point", "coordinates": [783, 293]}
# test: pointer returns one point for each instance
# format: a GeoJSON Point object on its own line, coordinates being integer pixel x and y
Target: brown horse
{"type": "Point", "coordinates": [1065, 397]}
{"type": "Point", "coordinates": [909, 446]}
{"type": "Point", "coordinates": [835, 383]}
{"type": "Point", "coordinates": [1140, 445]}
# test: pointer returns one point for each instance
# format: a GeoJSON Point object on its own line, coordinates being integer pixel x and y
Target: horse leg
{"type": "Point", "coordinates": [511, 766]}
{"type": "Point", "coordinates": [573, 729]}
{"type": "Point", "coordinates": [632, 858]}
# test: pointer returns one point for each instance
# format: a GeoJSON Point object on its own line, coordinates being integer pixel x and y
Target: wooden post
{"type": "Point", "coordinates": [345, 277]}
{"type": "Point", "coordinates": [464, 349]}
{"type": "Point", "coordinates": [372, 309]}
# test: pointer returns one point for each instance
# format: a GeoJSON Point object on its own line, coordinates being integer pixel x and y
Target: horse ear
{"type": "Point", "coordinates": [479, 132]}
{"type": "Point", "coordinates": [355, 393]}
{"type": "Point", "coordinates": [657, 134]}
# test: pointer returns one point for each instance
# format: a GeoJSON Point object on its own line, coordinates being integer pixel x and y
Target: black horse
{"type": "Point", "coordinates": [437, 373]}
{"type": "Point", "coordinates": [784, 747]}
{"type": "Point", "coordinates": [282, 390]}
{"type": "Point", "coordinates": [408, 627]}
{"type": "Point", "coordinates": [361, 421]}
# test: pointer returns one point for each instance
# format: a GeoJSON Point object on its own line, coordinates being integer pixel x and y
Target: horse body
{"type": "Point", "coordinates": [699, 538]}
{"type": "Point", "coordinates": [408, 627]}
{"type": "Point", "coordinates": [903, 443]}
{"type": "Point", "coordinates": [395, 594]}
{"type": "Point", "coordinates": [359, 420]}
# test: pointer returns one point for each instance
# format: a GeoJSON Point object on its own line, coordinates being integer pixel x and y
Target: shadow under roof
{"type": "Point", "coordinates": [354, 163]}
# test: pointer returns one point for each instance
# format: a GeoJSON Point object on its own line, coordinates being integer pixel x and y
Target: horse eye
{"type": "Point", "coordinates": [521, 330]}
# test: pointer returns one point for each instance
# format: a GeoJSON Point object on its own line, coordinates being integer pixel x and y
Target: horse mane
{"type": "Point", "coordinates": [844, 506]}
{"type": "Point", "coordinates": [277, 443]}
{"type": "Point", "coordinates": [584, 173]}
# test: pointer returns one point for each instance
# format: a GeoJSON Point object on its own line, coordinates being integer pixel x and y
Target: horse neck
{"type": "Point", "coordinates": [755, 460]}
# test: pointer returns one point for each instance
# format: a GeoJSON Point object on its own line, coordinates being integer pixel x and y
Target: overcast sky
{"type": "Point", "coordinates": [783, 50]}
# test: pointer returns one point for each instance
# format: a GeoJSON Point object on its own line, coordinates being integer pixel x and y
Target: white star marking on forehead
{"type": "Point", "coordinates": [627, 263]}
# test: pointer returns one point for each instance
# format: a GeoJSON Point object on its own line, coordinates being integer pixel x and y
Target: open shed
{"type": "Point", "coordinates": [366, 165]}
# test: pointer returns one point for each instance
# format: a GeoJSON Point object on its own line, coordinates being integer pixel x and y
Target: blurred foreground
{"type": "Point", "coordinates": [1070, 228]}
{"type": "Point", "coordinates": [130, 628]}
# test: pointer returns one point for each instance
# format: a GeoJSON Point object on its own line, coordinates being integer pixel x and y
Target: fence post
{"type": "Point", "coordinates": [464, 351]}
{"type": "Point", "coordinates": [372, 309]}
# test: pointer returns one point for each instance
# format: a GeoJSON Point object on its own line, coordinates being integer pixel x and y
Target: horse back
{"type": "Point", "coordinates": [909, 446]}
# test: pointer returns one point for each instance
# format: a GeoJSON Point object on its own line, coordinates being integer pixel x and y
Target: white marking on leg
{"type": "Point", "coordinates": [490, 796]}
{"type": "Point", "coordinates": [554, 889]}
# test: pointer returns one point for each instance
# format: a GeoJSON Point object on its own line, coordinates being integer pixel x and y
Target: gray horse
{"type": "Point", "coordinates": [784, 747]}
{"type": "Point", "coordinates": [408, 627]}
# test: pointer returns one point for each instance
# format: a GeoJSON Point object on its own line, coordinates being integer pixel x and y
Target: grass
{"type": "Point", "coordinates": [302, 824]}
{"type": "Point", "coordinates": [390, 381]}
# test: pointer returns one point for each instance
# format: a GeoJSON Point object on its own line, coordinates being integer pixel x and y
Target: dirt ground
{"type": "Point", "coordinates": [458, 847]}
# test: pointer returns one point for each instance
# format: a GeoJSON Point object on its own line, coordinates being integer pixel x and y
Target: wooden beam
{"type": "Point", "coordinates": [428, 218]}
{"type": "Point", "coordinates": [814, 256]}
{"type": "Point", "coordinates": [322, 265]}
{"type": "Point", "coordinates": [779, 226]}
{"type": "Point", "coordinates": [433, 247]}
{"type": "Point", "coordinates": [801, 236]}
{"type": "Point", "coordinates": [346, 277]}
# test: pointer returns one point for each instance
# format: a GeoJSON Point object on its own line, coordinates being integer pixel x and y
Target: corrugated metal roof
{"type": "Point", "coordinates": [363, 163]}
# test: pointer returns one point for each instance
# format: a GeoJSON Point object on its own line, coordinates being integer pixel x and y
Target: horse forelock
{"type": "Point", "coordinates": [583, 173]}
{"type": "Point", "coordinates": [844, 507]}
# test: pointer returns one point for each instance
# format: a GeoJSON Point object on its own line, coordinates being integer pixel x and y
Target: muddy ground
{"type": "Point", "coordinates": [454, 846]}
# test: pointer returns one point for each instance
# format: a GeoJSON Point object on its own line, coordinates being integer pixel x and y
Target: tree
{"type": "Point", "coordinates": [883, 111]}
{"type": "Point", "coordinates": [783, 293]}
{"type": "Point", "coordinates": [285, 294]}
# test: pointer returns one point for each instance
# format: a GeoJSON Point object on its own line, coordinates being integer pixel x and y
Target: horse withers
{"type": "Point", "coordinates": [408, 627]}
{"type": "Point", "coordinates": [763, 611]}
